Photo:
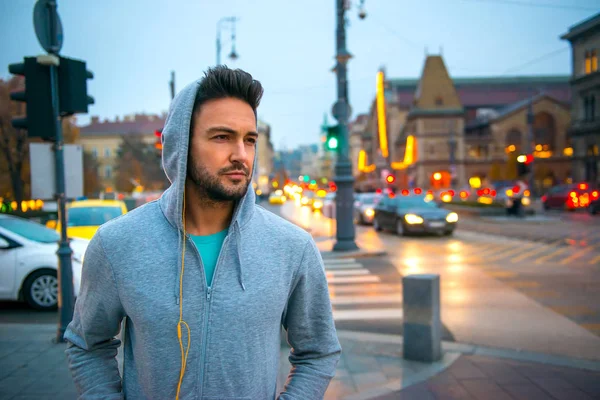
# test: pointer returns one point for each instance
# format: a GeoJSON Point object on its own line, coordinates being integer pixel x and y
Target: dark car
{"type": "Point", "coordinates": [413, 214]}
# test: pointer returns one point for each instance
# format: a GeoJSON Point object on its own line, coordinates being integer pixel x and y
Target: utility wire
{"type": "Point", "coordinates": [539, 5]}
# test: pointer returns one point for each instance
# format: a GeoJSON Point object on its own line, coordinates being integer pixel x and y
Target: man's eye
{"type": "Point", "coordinates": [251, 140]}
{"type": "Point", "coordinates": [220, 137]}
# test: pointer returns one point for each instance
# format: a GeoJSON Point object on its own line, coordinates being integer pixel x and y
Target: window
{"type": "Point", "coordinates": [589, 108]}
{"type": "Point", "coordinates": [591, 61]}
{"type": "Point", "coordinates": [439, 101]}
{"type": "Point", "coordinates": [91, 216]}
{"type": "Point", "coordinates": [107, 152]}
{"type": "Point", "coordinates": [592, 107]}
{"type": "Point", "coordinates": [29, 230]}
{"type": "Point", "coordinates": [95, 152]}
{"type": "Point", "coordinates": [108, 171]}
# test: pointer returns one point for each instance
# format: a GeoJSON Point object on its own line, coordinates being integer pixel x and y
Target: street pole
{"type": "Point", "coordinates": [65, 270]}
{"type": "Point", "coordinates": [233, 54]}
{"type": "Point", "coordinates": [452, 145]}
{"type": "Point", "coordinates": [531, 145]}
{"type": "Point", "coordinates": [343, 167]}
{"type": "Point", "coordinates": [172, 85]}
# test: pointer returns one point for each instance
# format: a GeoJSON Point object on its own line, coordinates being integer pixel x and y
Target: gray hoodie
{"type": "Point", "coordinates": [269, 274]}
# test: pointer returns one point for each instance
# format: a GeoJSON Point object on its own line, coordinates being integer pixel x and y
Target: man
{"type": "Point", "coordinates": [204, 277]}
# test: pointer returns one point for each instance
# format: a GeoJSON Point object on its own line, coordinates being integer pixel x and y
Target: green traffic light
{"type": "Point", "coordinates": [332, 143]}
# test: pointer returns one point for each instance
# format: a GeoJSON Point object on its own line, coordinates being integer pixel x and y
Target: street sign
{"type": "Point", "coordinates": [43, 171]}
{"type": "Point", "coordinates": [339, 107]}
{"type": "Point", "coordinates": [44, 14]}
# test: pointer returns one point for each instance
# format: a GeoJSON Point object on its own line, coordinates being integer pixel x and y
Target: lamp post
{"type": "Point", "coordinates": [230, 22]}
{"type": "Point", "coordinates": [452, 146]}
{"type": "Point", "coordinates": [344, 179]}
{"type": "Point", "coordinates": [531, 145]}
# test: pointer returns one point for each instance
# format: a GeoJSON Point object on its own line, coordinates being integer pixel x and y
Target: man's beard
{"type": "Point", "coordinates": [210, 187]}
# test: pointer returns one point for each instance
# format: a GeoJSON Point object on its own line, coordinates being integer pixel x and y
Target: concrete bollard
{"type": "Point", "coordinates": [421, 313]}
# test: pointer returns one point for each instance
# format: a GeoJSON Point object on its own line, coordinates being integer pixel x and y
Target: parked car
{"type": "Point", "coordinates": [568, 196]}
{"type": "Point", "coordinates": [364, 207]}
{"type": "Point", "coordinates": [413, 214]}
{"type": "Point", "coordinates": [29, 263]}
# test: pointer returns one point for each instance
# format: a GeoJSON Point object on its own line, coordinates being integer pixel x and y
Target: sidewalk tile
{"type": "Point", "coordinates": [570, 394]}
{"type": "Point", "coordinates": [365, 380]}
{"type": "Point", "coordinates": [526, 392]}
{"type": "Point", "coordinates": [416, 392]}
{"type": "Point", "coordinates": [450, 391]}
{"type": "Point", "coordinates": [465, 369]}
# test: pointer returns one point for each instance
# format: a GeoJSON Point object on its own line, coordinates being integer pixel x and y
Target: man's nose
{"type": "Point", "coordinates": [240, 153]}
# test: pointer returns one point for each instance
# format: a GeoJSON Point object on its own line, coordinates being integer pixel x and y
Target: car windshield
{"type": "Point", "coordinates": [415, 201]}
{"type": "Point", "coordinates": [368, 198]}
{"type": "Point", "coordinates": [91, 216]}
{"type": "Point", "coordinates": [29, 230]}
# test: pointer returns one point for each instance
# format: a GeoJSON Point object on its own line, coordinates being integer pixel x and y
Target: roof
{"type": "Point", "coordinates": [417, 112]}
{"type": "Point", "coordinates": [494, 92]}
{"type": "Point", "coordinates": [141, 126]}
{"type": "Point", "coordinates": [435, 90]}
{"type": "Point", "coordinates": [582, 27]}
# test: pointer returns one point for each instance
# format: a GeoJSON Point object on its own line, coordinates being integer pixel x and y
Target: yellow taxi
{"type": "Point", "coordinates": [84, 217]}
{"type": "Point", "coordinates": [277, 197]}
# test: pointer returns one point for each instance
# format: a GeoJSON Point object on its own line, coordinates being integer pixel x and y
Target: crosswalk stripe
{"type": "Point", "coordinates": [595, 261]}
{"type": "Point", "coordinates": [342, 266]}
{"type": "Point", "coordinates": [367, 314]}
{"type": "Point", "coordinates": [353, 279]}
{"type": "Point", "coordinates": [575, 256]}
{"type": "Point", "coordinates": [366, 288]}
{"type": "Point", "coordinates": [523, 256]}
{"type": "Point", "coordinates": [541, 260]}
{"type": "Point", "coordinates": [385, 299]}
{"type": "Point", "coordinates": [509, 252]}
{"type": "Point", "coordinates": [333, 261]}
{"type": "Point", "coordinates": [348, 272]}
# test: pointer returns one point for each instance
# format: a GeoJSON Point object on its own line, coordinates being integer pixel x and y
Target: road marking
{"type": "Point", "coordinates": [367, 314]}
{"type": "Point", "coordinates": [540, 249]}
{"type": "Point", "coordinates": [523, 284]}
{"type": "Point", "coordinates": [369, 289]}
{"type": "Point", "coordinates": [508, 252]}
{"type": "Point", "coordinates": [333, 261]}
{"type": "Point", "coordinates": [386, 299]}
{"type": "Point", "coordinates": [595, 260]}
{"type": "Point", "coordinates": [329, 267]}
{"type": "Point", "coordinates": [575, 256]}
{"type": "Point", "coordinates": [348, 272]}
{"type": "Point", "coordinates": [353, 279]}
{"type": "Point", "coordinates": [551, 255]}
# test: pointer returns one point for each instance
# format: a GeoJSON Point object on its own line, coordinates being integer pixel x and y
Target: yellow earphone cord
{"type": "Point", "coordinates": [184, 353]}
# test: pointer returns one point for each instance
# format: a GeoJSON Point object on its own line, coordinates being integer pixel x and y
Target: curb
{"type": "Point", "coordinates": [472, 349]}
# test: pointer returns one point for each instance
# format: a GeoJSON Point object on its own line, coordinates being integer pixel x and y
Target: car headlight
{"type": "Point", "coordinates": [452, 217]}
{"type": "Point", "coordinates": [369, 212]}
{"type": "Point", "coordinates": [413, 219]}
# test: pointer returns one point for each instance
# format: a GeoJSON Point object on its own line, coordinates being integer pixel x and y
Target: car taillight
{"type": "Point", "coordinates": [516, 189]}
{"type": "Point", "coordinates": [544, 198]}
{"type": "Point", "coordinates": [493, 193]}
{"type": "Point", "coordinates": [451, 192]}
{"type": "Point", "coordinates": [583, 186]}
{"type": "Point", "coordinates": [573, 195]}
{"type": "Point", "coordinates": [595, 194]}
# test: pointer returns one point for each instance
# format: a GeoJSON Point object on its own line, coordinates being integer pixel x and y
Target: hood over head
{"type": "Point", "coordinates": [175, 140]}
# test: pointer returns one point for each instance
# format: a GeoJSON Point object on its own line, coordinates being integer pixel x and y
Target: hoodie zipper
{"type": "Point", "coordinates": [207, 312]}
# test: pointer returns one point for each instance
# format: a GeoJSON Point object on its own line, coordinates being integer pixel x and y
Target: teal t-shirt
{"type": "Point", "coordinates": [209, 248]}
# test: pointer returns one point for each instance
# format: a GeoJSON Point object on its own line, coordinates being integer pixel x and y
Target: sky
{"type": "Point", "coordinates": [289, 46]}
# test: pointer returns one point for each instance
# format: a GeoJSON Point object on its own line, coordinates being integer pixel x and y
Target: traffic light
{"type": "Point", "coordinates": [37, 97]}
{"type": "Point", "coordinates": [524, 164]}
{"type": "Point", "coordinates": [72, 83]}
{"type": "Point", "coordinates": [390, 179]}
{"type": "Point", "coordinates": [333, 138]}
{"type": "Point", "coordinates": [158, 143]}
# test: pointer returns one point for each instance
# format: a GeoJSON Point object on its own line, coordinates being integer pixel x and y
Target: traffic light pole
{"type": "Point", "coordinates": [344, 180]}
{"type": "Point", "coordinates": [65, 268]}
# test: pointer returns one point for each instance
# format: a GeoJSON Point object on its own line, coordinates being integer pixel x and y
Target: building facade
{"type": "Point", "coordinates": [585, 109]}
{"type": "Point", "coordinates": [443, 132]}
{"type": "Point", "coordinates": [102, 139]}
{"type": "Point", "coordinates": [265, 155]}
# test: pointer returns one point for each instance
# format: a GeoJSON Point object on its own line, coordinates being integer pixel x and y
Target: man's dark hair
{"type": "Point", "coordinates": [221, 82]}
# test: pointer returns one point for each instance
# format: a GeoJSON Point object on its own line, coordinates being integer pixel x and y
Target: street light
{"type": "Point", "coordinates": [230, 23]}
{"type": "Point", "coordinates": [344, 180]}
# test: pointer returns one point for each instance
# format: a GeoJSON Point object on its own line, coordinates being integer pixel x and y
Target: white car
{"type": "Point", "coordinates": [29, 264]}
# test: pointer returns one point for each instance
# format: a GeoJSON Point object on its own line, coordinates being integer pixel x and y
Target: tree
{"type": "Point", "coordinates": [91, 182]}
{"type": "Point", "coordinates": [14, 144]}
{"type": "Point", "coordinates": [137, 164]}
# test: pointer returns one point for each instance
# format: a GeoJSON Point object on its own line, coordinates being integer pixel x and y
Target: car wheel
{"type": "Point", "coordinates": [400, 228]}
{"type": "Point", "coordinates": [376, 225]}
{"type": "Point", "coordinates": [546, 207]}
{"type": "Point", "coordinates": [40, 290]}
{"type": "Point", "coordinates": [449, 233]}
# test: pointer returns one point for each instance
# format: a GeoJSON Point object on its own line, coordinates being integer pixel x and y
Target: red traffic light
{"type": "Point", "coordinates": [528, 159]}
{"type": "Point", "coordinates": [158, 133]}
{"type": "Point", "coordinates": [390, 179]}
